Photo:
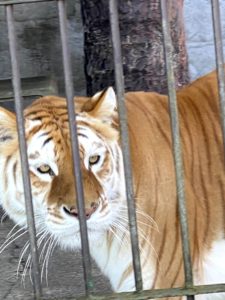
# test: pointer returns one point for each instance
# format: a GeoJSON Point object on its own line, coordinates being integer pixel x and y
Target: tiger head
{"type": "Point", "coordinates": [51, 166]}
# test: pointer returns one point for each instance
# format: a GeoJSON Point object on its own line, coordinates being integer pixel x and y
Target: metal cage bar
{"type": "Point", "coordinates": [75, 147]}
{"type": "Point", "coordinates": [23, 150]}
{"type": "Point", "coordinates": [160, 293]}
{"type": "Point", "coordinates": [219, 59]}
{"type": "Point", "coordinates": [8, 2]}
{"type": "Point", "coordinates": [177, 151]}
{"type": "Point", "coordinates": [189, 290]}
{"type": "Point", "coordinates": [118, 66]}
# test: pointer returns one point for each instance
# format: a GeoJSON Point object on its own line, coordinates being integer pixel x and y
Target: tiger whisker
{"type": "Point", "coordinates": [9, 242]}
{"type": "Point", "coordinates": [123, 230]}
{"type": "Point", "coordinates": [138, 222]}
{"type": "Point", "coordinates": [46, 259]}
{"type": "Point", "coordinates": [122, 226]}
{"type": "Point", "coordinates": [142, 236]}
{"type": "Point", "coordinates": [26, 247]}
{"type": "Point", "coordinates": [23, 251]}
{"type": "Point", "coordinates": [44, 247]}
{"type": "Point", "coordinates": [30, 275]}
{"type": "Point", "coordinates": [116, 236]}
{"type": "Point", "coordinates": [40, 240]}
{"type": "Point", "coordinates": [3, 217]}
{"type": "Point", "coordinates": [138, 210]}
{"type": "Point", "coordinates": [10, 235]}
{"type": "Point", "coordinates": [10, 232]}
{"type": "Point", "coordinates": [140, 213]}
{"type": "Point", "coordinates": [53, 245]}
{"type": "Point", "coordinates": [28, 261]}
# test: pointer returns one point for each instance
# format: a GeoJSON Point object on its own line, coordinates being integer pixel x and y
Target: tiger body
{"type": "Point", "coordinates": [48, 140]}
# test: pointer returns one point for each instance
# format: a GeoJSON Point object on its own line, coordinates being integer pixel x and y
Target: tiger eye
{"type": "Point", "coordinates": [44, 169]}
{"type": "Point", "coordinates": [94, 159]}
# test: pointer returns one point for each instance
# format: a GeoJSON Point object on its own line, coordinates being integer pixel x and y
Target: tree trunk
{"type": "Point", "coordinates": [142, 45]}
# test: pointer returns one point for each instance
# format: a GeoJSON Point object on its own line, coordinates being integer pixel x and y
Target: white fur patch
{"type": "Point", "coordinates": [30, 124]}
{"type": "Point", "coordinates": [214, 270]}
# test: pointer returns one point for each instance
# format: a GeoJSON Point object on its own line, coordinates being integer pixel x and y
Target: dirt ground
{"type": "Point", "coordinates": [65, 274]}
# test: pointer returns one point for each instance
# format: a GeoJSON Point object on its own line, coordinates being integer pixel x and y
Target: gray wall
{"type": "Point", "coordinates": [37, 29]}
{"type": "Point", "coordinates": [199, 35]}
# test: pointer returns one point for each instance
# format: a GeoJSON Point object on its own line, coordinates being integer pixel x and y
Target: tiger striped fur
{"type": "Point", "coordinates": [53, 190]}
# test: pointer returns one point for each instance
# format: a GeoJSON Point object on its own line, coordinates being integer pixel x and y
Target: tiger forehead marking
{"type": "Point", "coordinates": [154, 183]}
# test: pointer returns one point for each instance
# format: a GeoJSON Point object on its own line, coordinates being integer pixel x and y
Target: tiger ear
{"type": "Point", "coordinates": [103, 105]}
{"type": "Point", "coordinates": [8, 128]}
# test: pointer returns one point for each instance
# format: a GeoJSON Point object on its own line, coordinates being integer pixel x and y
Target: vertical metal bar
{"type": "Point", "coordinates": [23, 149]}
{"type": "Point", "coordinates": [176, 146]}
{"type": "Point", "coordinates": [8, 2]}
{"type": "Point", "coordinates": [75, 147]}
{"type": "Point", "coordinates": [114, 21]}
{"type": "Point", "coordinates": [218, 43]}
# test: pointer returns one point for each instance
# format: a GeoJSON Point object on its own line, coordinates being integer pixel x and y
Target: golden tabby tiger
{"type": "Point", "coordinates": [53, 188]}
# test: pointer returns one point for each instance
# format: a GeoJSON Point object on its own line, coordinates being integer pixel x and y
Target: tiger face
{"type": "Point", "coordinates": [51, 167]}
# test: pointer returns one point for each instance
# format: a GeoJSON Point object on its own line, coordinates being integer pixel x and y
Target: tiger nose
{"type": "Point", "coordinates": [73, 211]}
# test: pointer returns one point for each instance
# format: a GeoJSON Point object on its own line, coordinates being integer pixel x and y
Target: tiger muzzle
{"type": "Point", "coordinates": [73, 211]}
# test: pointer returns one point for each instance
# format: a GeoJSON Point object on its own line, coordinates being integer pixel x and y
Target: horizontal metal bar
{"type": "Point", "coordinates": [114, 21]}
{"type": "Point", "coordinates": [75, 148]}
{"type": "Point", "coordinates": [218, 42]}
{"type": "Point", "coordinates": [8, 2]}
{"type": "Point", "coordinates": [23, 150]}
{"type": "Point", "coordinates": [154, 294]}
{"type": "Point", "coordinates": [177, 152]}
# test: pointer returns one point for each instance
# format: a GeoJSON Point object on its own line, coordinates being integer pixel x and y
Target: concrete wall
{"type": "Point", "coordinates": [199, 35]}
{"type": "Point", "coordinates": [37, 30]}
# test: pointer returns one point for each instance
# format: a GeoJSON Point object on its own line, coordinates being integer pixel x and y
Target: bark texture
{"type": "Point", "coordinates": [142, 45]}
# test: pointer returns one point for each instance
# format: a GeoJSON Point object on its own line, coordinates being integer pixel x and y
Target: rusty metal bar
{"type": "Point", "coordinates": [23, 150]}
{"type": "Point", "coordinates": [176, 146]}
{"type": "Point", "coordinates": [158, 293]}
{"type": "Point", "coordinates": [218, 43]}
{"type": "Point", "coordinates": [114, 21]}
{"type": "Point", "coordinates": [8, 2]}
{"type": "Point", "coordinates": [75, 147]}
